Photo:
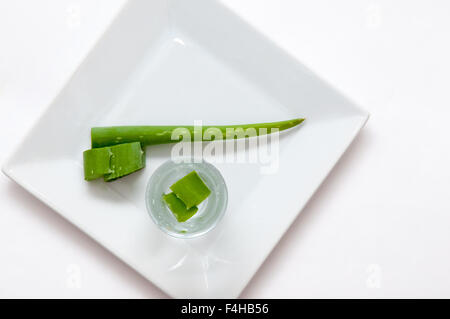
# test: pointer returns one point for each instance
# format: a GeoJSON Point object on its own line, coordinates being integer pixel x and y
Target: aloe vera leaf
{"type": "Point", "coordinates": [96, 163]}
{"type": "Point", "coordinates": [152, 135]}
{"type": "Point", "coordinates": [113, 162]}
{"type": "Point", "coordinates": [191, 189]}
{"type": "Point", "coordinates": [178, 208]}
{"type": "Point", "coordinates": [126, 159]}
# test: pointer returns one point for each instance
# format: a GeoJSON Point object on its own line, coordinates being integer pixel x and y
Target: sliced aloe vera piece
{"type": "Point", "coordinates": [97, 163]}
{"type": "Point", "coordinates": [126, 159]}
{"type": "Point", "coordinates": [191, 189]}
{"type": "Point", "coordinates": [113, 162]}
{"type": "Point", "coordinates": [178, 208]}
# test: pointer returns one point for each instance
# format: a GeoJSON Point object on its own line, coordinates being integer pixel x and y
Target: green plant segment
{"type": "Point", "coordinates": [152, 135]}
{"type": "Point", "coordinates": [191, 189]}
{"type": "Point", "coordinates": [187, 193]}
{"type": "Point", "coordinates": [113, 162]}
{"type": "Point", "coordinates": [117, 150]}
{"type": "Point", "coordinates": [178, 208]}
{"type": "Point", "coordinates": [97, 163]}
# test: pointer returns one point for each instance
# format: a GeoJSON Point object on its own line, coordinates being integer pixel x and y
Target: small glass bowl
{"type": "Point", "coordinates": [210, 211]}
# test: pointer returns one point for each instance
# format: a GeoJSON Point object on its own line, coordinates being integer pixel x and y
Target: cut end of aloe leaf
{"type": "Point", "coordinates": [96, 163]}
{"type": "Point", "coordinates": [113, 162]}
{"type": "Point", "coordinates": [126, 159]}
{"type": "Point", "coordinates": [178, 208]}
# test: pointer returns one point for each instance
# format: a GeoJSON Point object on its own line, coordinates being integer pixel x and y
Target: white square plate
{"type": "Point", "coordinates": [173, 62]}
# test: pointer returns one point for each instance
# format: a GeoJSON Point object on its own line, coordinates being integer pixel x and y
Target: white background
{"type": "Point", "coordinates": [378, 227]}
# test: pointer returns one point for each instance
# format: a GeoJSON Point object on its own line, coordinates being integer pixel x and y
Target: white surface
{"type": "Point", "coordinates": [377, 227]}
{"type": "Point", "coordinates": [173, 64]}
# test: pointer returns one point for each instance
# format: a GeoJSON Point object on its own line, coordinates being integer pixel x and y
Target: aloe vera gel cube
{"type": "Point", "coordinates": [191, 190]}
{"type": "Point", "coordinates": [178, 208]}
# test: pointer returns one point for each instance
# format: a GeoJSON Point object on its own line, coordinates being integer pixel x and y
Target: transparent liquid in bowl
{"type": "Point", "coordinates": [209, 211]}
